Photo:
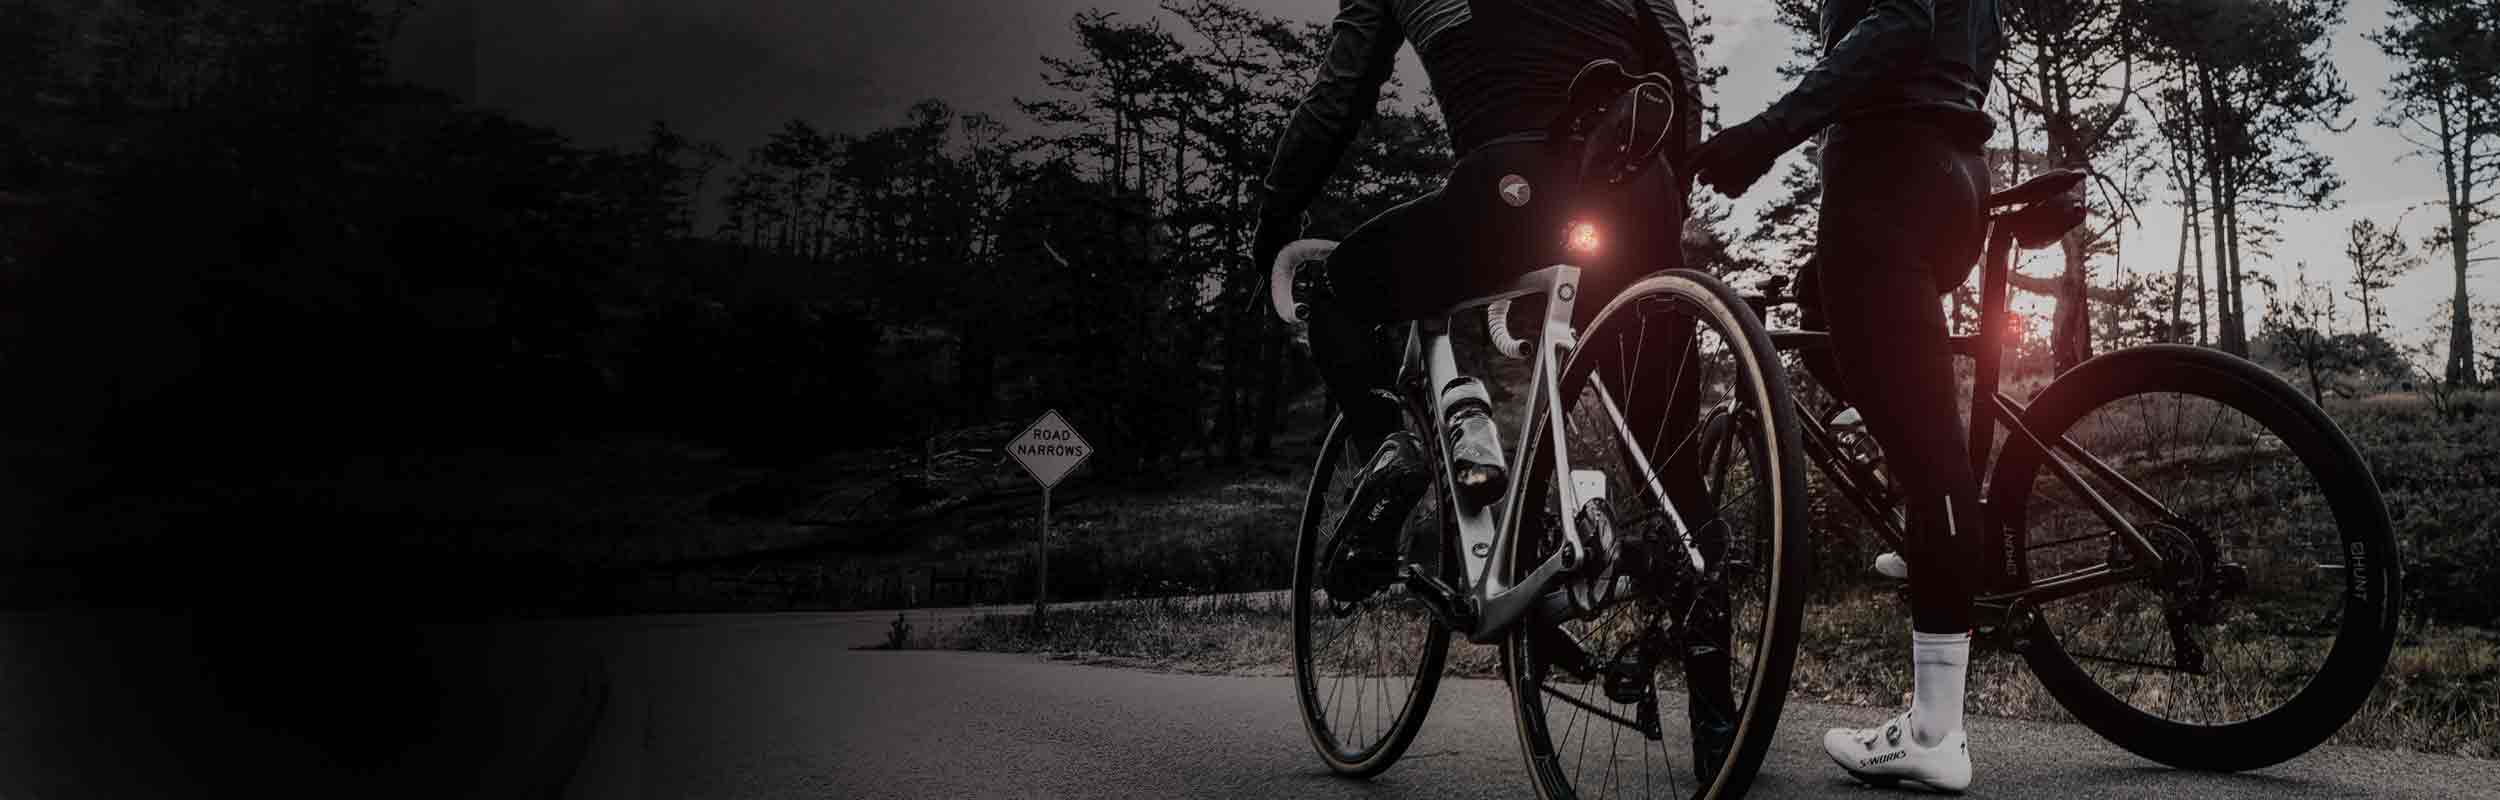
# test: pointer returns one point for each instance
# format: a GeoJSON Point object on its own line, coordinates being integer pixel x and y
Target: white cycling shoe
{"type": "Point", "coordinates": [1892, 565]}
{"type": "Point", "coordinates": [1887, 755]}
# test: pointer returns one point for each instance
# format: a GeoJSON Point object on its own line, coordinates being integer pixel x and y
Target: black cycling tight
{"type": "Point", "coordinates": [1468, 238]}
{"type": "Point", "coordinates": [1901, 224]}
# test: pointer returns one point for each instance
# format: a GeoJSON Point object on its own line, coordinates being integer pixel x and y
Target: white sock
{"type": "Point", "coordinates": [1939, 662]}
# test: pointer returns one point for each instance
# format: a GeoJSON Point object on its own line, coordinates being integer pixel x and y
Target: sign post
{"type": "Point", "coordinates": [1048, 449]}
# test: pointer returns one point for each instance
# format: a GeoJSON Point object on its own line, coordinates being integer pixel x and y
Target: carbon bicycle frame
{"type": "Point", "coordinates": [2008, 589]}
{"type": "Point", "coordinates": [1486, 538]}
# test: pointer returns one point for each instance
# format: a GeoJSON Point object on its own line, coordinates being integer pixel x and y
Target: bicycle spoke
{"type": "Point", "coordinates": [1357, 664]}
{"type": "Point", "coordinates": [1382, 689]}
{"type": "Point", "coordinates": [1614, 743]}
{"type": "Point", "coordinates": [1632, 438]}
{"type": "Point", "coordinates": [1644, 768]}
{"type": "Point", "coordinates": [1592, 709]}
{"type": "Point", "coordinates": [2225, 476]}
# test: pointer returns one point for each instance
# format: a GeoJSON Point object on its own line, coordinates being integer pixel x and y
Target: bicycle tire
{"type": "Point", "coordinates": [2363, 639]}
{"type": "Point", "coordinates": [1372, 757]}
{"type": "Point", "coordinates": [1788, 559]}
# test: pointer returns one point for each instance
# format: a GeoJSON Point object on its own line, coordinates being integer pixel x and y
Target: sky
{"type": "Point", "coordinates": [731, 71]}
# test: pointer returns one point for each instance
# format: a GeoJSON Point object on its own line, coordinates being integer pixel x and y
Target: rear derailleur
{"type": "Point", "coordinates": [1628, 676]}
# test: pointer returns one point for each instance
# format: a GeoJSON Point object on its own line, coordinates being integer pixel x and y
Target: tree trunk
{"type": "Point", "coordinates": [1271, 394]}
{"type": "Point", "coordinates": [2235, 332]}
{"type": "Point", "coordinates": [2196, 251]}
{"type": "Point", "coordinates": [2221, 264]}
{"type": "Point", "coordinates": [2461, 319]}
{"type": "Point", "coordinates": [2072, 332]}
{"type": "Point", "coordinates": [2115, 314]}
{"type": "Point", "coordinates": [2315, 352]}
{"type": "Point", "coordinates": [1229, 416]}
{"type": "Point", "coordinates": [2225, 239]}
{"type": "Point", "coordinates": [2178, 275]}
{"type": "Point", "coordinates": [2457, 172]}
{"type": "Point", "coordinates": [1119, 150]}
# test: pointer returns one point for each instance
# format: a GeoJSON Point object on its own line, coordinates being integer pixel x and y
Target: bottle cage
{"type": "Point", "coordinates": [1619, 121]}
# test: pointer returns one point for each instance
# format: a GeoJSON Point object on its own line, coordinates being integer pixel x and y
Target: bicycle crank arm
{"type": "Point", "coordinates": [2006, 624]}
{"type": "Point", "coordinates": [1446, 604]}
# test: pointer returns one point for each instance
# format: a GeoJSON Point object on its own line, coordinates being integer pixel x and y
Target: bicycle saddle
{"type": "Point", "coordinates": [2048, 210]}
{"type": "Point", "coordinates": [1620, 121]}
{"type": "Point", "coordinates": [2041, 187]}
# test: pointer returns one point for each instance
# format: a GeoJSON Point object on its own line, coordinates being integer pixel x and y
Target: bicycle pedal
{"type": "Point", "coordinates": [1646, 718]}
{"type": "Point", "coordinates": [1627, 682]}
{"type": "Point", "coordinates": [1445, 603]}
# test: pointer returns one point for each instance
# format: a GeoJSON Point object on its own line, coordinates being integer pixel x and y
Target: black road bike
{"type": "Point", "coordinates": [2189, 555]}
{"type": "Point", "coordinates": [1624, 590]}
{"type": "Point", "coordinates": [1611, 596]}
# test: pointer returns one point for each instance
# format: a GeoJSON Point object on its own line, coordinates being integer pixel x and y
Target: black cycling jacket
{"type": "Point", "coordinates": [1498, 67]}
{"type": "Point", "coordinates": [1890, 56]}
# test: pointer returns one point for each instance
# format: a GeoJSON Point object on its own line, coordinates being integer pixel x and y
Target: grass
{"type": "Point", "coordinates": [2437, 695]}
{"type": "Point", "coordinates": [2440, 693]}
{"type": "Point", "coordinates": [1231, 636]}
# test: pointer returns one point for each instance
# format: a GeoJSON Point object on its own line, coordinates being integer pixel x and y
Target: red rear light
{"type": "Point", "coordinates": [1582, 238]}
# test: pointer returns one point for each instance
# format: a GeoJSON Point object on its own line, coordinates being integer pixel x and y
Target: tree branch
{"type": "Point", "coordinates": [2049, 287]}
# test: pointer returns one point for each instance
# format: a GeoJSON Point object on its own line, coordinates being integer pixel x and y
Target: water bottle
{"type": "Point", "coordinates": [1474, 443]}
{"type": "Point", "coordinates": [1849, 427]}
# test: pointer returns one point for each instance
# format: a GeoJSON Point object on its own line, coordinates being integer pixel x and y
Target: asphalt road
{"type": "Point", "coordinates": [785, 706]}
{"type": "Point", "coordinates": [782, 706]}
{"type": "Point", "coordinates": [302, 704]}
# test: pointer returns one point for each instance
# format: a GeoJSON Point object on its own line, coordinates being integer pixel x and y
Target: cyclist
{"type": "Point", "coordinates": [1499, 70]}
{"type": "Point", "coordinates": [1898, 95]}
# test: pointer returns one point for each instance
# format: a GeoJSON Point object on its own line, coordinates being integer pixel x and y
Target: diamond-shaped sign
{"type": "Point", "coordinates": [1050, 448]}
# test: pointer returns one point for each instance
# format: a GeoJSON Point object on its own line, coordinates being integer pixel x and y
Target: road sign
{"type": "Point", "coordinates": [1050, 449]}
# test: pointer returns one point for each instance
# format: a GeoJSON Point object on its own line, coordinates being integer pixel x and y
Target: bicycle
{"type": "Point", "coordinates": [1588, 607]}
{"type": "Point", "coordinates": [2068, 573]}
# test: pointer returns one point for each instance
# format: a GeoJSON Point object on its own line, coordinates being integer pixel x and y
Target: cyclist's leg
{"type": "Point", "coordinates": [1704, 610]}
{"type": "Point", "coordinates": [1678, 456]}
{"type": "Point", "coordinates": [1351, 347]}
{"type": "Point", "coordinates": [1356, 358]}
{"type": "Point", "coordinates": [1899, 206]}
{"type": "Point", "coordinates": [1889, 339]}
{"type": "Point", "coordinates": [1641, 227]}
{"type": "Point", "coordinates": [1818, 362]}
{"type": "Point", "coordinates": [1400, 266]}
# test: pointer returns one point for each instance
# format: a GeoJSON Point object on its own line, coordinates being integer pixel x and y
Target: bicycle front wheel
{"type": "Point", "coordinates": [1697, 617]}
{"type": "Point", "coordinates": [1364, 670]}
{"type": "Point", "coordinates": [2275, 609]}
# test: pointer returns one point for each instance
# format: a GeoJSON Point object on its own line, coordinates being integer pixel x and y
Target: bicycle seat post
{"type": "Point", "coordinates": [1995, 275]}
{"type": "Point", "coordinates": [1440, 368]}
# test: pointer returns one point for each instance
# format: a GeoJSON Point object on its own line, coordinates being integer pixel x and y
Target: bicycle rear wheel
{"type": "Point", "coordinates": [1364, 672]}
{"type": "Point", "coordinates": [2278, 612]}
{"type": "Point", "coordinates": [1704, 627]}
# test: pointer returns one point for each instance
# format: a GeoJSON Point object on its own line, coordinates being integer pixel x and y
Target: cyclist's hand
{"type": "Point", "coordinates": [1731, 161]}
{"type": "Point", "coordinates": [1270, 238]}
